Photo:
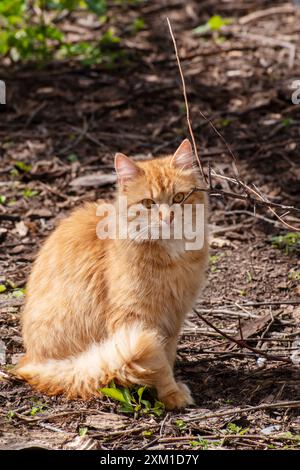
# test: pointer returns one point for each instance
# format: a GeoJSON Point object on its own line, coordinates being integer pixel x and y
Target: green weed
{"type": "Point", "coordinates": [135, 400]}
{"type": "Point", "coordinates": [289, 243]}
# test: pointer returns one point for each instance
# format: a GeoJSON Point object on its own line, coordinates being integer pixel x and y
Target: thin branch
{"type": "Point", "coordinates": [238, 410]}
{"type": "Point", "coordinates": [186, 100]}
{"type": "Point", "coordinates": [247, 197]}
{"type": "Point", "coordinates": [258, 199]}
{"type": "Point", "coordinates": [241, 343]}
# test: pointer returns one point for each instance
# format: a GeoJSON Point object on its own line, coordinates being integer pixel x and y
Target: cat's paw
{"type": "Point", "coordinates": [179, 398]}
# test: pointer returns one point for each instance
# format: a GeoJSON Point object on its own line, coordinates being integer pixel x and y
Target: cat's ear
{"type": "Point", "coordinates": [126, 169]}
{"type": "Point", "coordinates": [183, 158]}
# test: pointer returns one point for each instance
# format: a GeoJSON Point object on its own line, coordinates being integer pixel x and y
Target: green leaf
{"type": "Point", "coordinates": [287, 122]}
{"type": "Point", "coordinates": [97, 6]}
{"type": "Point", "coordinates": [10, 415]}
{"type": "Point", "coordinates": [181, 424]}
{"type": "Point", "coordinates": [2, 288]}
{"type": "Point", "coordinates": [159, 408]}
{"type": "Point", "coordinates": [2, 199]}
{"type": "Point", "coordinates": [138, 25]}
{"type": "Point", "coordinates": [215, 23]}
{"type": "Point", "coordinates": [128, 397]}
{"type": "Point", "coordinates": [23, 166]}
{"type": "Point", "coordinates": [82, 431]}
{"type": "Point", "coordinates": [202, 29]}
{"type": "Point", "coordinates": [29, 193]}
{"type": "Point", "coordinates": [114, 393]}
{"type": "Point", "coordinates": [140, 392]}
{"type": "Point", "coordinates": [147, 433]}
{"type": "Point", "coordinates": [289, 242]}
{"type": "Point", "coordinates": [146, 404]}
{"type": "Point", "coordinates": [18, 293]}
{"type": "Point", "coordinates": [72, 157]}
{"type": "Point", "coordinates": [126, 408]}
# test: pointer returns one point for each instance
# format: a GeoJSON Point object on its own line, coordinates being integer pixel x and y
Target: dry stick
{"type": "Point", "coordinates": [246, 188]}
{"type": "Point", "coordinates": [228, 437]}
{"type": "Point", "coordinates": [257, 15]}
{"type": "Point", "coordinates": [262, 406]}
{"type": "Point", "coordinates": [247, 197]}
{"type": "Point", "coordinates": [241, 343]}
{"type": "Point", "coordinates": [186, 100]}
{"type": "Point", "coordinates": [261, 200]}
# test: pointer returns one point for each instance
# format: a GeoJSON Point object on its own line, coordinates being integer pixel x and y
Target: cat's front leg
{"type": "Point", "coordinates": [176, 396]}
{"type": "Point", "coordinates": [171, 349]}
{"type": "Point", "coordinates": [181, 394]}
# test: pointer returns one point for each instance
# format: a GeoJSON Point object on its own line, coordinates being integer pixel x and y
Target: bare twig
{"type": "Point", "coordinates": [241, 343]}
{"type": "Point", "coordinates": [245, 197]}
{"type": "Point", "coordinates": [250, 194]}
{"type": "Point", "coordinates": [238, 410]}
{"type": "Point", "coordinates": [186, 100]}
{"type": "Point", "coordinates": [257, 15]}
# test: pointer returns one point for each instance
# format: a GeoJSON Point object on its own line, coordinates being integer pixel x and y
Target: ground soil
{"type": "Point", "coordinates": [67, 121]}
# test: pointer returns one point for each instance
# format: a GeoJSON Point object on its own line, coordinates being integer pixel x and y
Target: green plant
{"type": "Point", "coordinates": [294, 275]}
{"type": "Point", "coordinates": [133, 399]}
{"type": "Point", "coordinates": [138, 25]}
{"type": "Point", "coordinates": [181, 424]}
{"type": "Point", "coordinates": [2, 199]}
{"type": "Point", "coordinates": [205, 444]}
{"type": "Point", "coordinates": [10, 415]}
{"type": "Point", "coordinates": [147, 433]}
{"type": "Point", "coordinates": [215, 23]}
{"type": "Point", "coordinates": [289, 243]}
{"type": "Point", "coordinates": [214, 259]}
{"type": "Point", "coordinates": [23, 166]}
{"type": "Point", "coordinates": [37, 407]}
{"type": "Point", "coordinates": [82, 432]}
{"type": "Point", "coordinates": [72, 157]}
{"type": "Point", "coordinates": [2, 288]}
{"type": "Point", "coordinates": [235, 429]}
{"type": "Point", "coordinates": [31, 30]}
{"type": "Point", "coordinates": [18, 293]}
{"type": "Point", "coordinates": [29, 193]}
{"type": "Point", "coordinates": [287, 122]}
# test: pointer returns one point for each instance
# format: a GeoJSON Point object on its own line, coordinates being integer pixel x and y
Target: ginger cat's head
{"type": "Point", "coordinates": [158, 187]}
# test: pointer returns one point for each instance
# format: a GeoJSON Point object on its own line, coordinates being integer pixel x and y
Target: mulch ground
{"type": "Point", "coordinates": [65, 121]}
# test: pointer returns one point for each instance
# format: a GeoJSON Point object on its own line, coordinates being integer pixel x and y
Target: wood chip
{"type": "Point", "coordinates": [95, 180]}
{"type": "Point", "coordinates": [107, 422]}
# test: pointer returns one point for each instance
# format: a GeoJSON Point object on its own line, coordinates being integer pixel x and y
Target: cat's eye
{"type": "Point", "coordinates": [178, 198]}
{"type": "Point", "coordinates": [148, 203]}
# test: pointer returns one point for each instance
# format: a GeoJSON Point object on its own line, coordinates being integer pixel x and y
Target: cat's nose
{"type": "Point", "coordinates": [167, 218]}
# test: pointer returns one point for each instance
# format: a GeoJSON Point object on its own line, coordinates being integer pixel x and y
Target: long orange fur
{"type": "Point", "coordinates": [98, 310]}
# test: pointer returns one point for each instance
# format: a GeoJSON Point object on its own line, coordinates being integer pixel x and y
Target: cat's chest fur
{"type": "Point", "coordinates": [160, 285]}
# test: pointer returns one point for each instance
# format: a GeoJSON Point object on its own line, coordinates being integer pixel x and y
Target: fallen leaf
{"type": "Point", "coordinates": [21, 228]}
{"type": "Point", "coordinates": [250, 327]}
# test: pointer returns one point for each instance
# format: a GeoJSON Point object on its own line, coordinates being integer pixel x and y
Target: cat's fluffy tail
{"type": "Point", "coordinates": [131, 355]}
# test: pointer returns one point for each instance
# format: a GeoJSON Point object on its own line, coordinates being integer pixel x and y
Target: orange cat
{"type": "Point", "coordinates": [103, 309]}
